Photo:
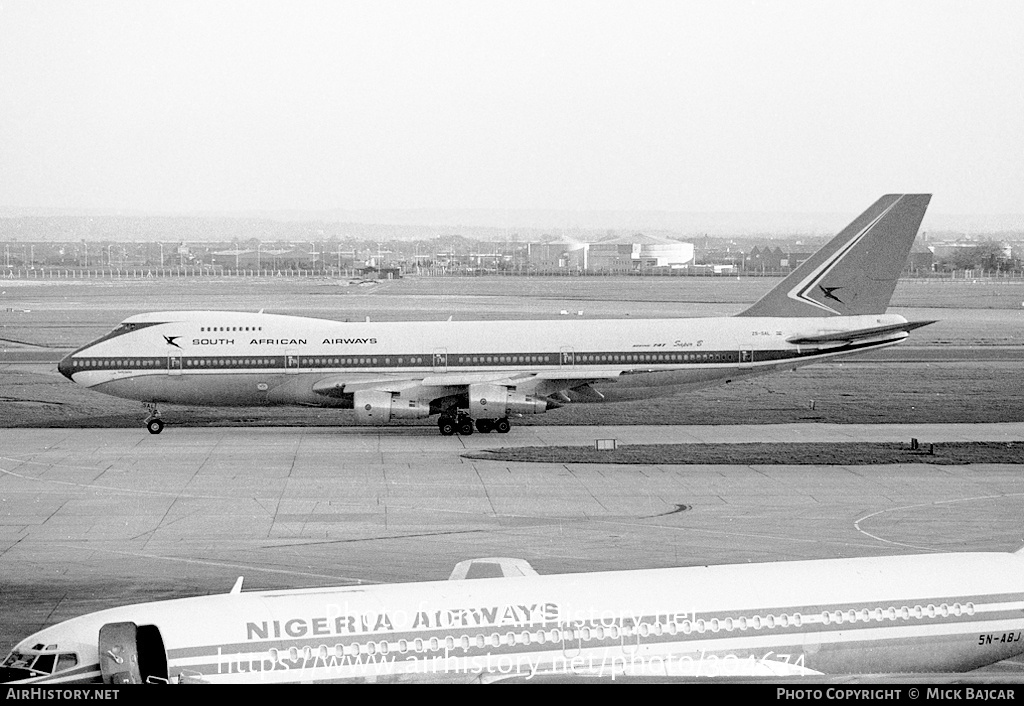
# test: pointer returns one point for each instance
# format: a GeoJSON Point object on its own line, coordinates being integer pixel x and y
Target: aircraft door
{"type": "Point", "coordinates": [746, 358]}
{"type": "Point", "coordinates": [132, 654]}
{"type": "Point", "coordinates": [571, 640]}
{"type": "Point", "coordinates": [119, 654]}
{"type": "Point", "coordinates": [630, 643]}
{"type": "Point", "coordinates": [174, 365]}
{"type": "Point", "coordinates": [440, 360]}
{"type": "Point", "coordinates": [568, 357]}
{"type": "Point", "coordinates": [291, 361]}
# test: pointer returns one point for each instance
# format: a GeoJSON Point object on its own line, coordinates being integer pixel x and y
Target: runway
{"type": "Point", "coordinates": [93, 518]}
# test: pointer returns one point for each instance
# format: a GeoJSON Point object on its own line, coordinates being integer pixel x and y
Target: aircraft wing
{"type": "Point", "coordinates": [857, 334]}
{"type": "Point", "coordinates": [491, 567]}
{"type": "Point", "coordinates": [440, 384]}
{"type": "Point", "coordinates": [562, 378]}
{"type": "Point", "coordinates": [334, 385]}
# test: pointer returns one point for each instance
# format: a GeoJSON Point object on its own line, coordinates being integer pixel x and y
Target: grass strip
{"type": "Point", "coordinates": [812, 454]}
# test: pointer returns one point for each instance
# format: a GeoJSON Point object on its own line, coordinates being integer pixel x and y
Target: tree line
{"type": "Point", "coordinates": [987, 255]}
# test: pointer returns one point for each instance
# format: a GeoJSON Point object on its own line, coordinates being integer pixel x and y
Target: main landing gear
{"type": "Point", "coordinates": [461, 423]}
{"type": "Point", "coordinates": [154, 423]}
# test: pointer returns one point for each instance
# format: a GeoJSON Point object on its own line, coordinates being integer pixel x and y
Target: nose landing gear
{"type": "Point", "coordinates": [154, 423]}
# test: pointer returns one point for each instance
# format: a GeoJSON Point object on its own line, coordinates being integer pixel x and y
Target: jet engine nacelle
{"type": "Point", "coordinates": [380, 407]}
{"type": "Point", "coordinates": [497, 401]}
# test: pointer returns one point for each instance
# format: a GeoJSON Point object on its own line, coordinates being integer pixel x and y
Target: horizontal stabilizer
{"type": "Point", "coordinates": [858, 334]}
{"type": "Point", "coordinates": [491, 568]}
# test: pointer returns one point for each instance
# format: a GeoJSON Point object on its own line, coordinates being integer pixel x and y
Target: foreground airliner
{"type": "Point", "coordinates": [881, 615]}
{"type": "Point", "coordinates": [479, 373]}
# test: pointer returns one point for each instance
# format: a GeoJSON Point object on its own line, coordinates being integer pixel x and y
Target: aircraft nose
{"type": "Point", "coordinates": [8, 675]}
{"type": "Point", "coordinates": [64, 367]}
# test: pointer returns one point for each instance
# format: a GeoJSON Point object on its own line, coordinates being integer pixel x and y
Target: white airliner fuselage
{"type": "Point", "coordinates": [405, 369]}
{"type": "Point", "coordinates": [922, 613]}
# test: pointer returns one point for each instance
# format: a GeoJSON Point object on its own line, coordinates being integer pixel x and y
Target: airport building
{"type": "Point", "coordinates": [620, 254]}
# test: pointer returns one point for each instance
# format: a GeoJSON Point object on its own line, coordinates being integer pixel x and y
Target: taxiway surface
{"type": "Point", "coordinates": [93, 518]}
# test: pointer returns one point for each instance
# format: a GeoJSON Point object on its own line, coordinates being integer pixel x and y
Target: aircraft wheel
{"type": "Point", "coordinates": [483, 425]}
{"type": "Point", "coordinates": [446, 427]}
{"type": "Point", "coordinates": [155, 426]}
{"type": "Point", "coordinates": [502, 426]}
{"type": "Point", "coordinates": [466, 427]}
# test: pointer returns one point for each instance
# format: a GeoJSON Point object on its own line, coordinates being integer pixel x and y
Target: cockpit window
{"type": "Point", "coordinates": [17, 660]}
{"type": "Point", "coordinates": [41, 664]}
{"type": "Point", "coordinates": [66, 661]}
{"type": "Point", "coordinates": [44, 663]}
{"type": "Point", "coordinates": [126, 327]}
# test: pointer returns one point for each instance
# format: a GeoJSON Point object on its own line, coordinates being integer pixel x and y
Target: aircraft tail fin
{"type": "Point", "coordinates": [855, 272]}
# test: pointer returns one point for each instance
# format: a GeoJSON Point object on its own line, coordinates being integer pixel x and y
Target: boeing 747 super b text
{"type": "Point", "coordinates": [477, 374]}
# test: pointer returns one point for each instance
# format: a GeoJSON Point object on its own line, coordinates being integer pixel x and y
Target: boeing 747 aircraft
{"type": "Point", "coordinates": [480, 373]}
{"type": "Point", "coordinates": [882, 615]}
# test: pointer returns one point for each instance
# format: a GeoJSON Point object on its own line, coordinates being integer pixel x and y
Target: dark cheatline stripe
{"type": "Point", "coordinates": [578, 360]}
{"type": "Point", "coordinates": [223, 656]}
{"type": "Point", "coordinates": [808, 611]}
{"type": "Point", "coordinates": [518, 360]}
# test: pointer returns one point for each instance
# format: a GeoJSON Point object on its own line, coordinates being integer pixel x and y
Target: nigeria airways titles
{"type": "Point", "coordinates": [876, 615]}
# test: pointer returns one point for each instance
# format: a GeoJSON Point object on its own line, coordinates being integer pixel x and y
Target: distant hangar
{"type": "Point", "coordinates": [615, 254]}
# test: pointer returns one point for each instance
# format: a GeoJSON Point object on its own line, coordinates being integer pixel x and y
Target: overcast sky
{"type": "Point", "coordinates": [682, 106]}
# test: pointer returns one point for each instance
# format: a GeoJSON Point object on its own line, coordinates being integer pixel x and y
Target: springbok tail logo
{"type": "Point", "coordinates": [827, 291]}
{"type": "Point", "coordinates": [171, 341]}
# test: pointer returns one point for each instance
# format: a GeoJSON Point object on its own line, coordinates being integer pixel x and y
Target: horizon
{"type": "Point", "coordinates": [554, 221]}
